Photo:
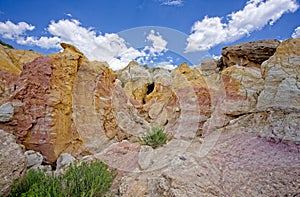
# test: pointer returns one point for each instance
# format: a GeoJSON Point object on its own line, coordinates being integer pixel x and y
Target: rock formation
{"type": "Point", "coordinates": [222, 118]}
{"type": "Point", "coordinates": [43, 118]}
{"type": "Point", "coordinates": [249, 54]}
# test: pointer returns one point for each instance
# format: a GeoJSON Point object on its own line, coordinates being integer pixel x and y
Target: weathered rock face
{"type": "Point", "coordinates": [249, 54]}
{"type": "Point", "coordinates": [242, 86]}
{"type": "Point", "coordinates": [12, 60]}
{"type": "Point", "coordinates": [213, 115]}
{"type": "Point", "coordinates": [8, 82]}
{"type": "Point", "coordinates": [12, 161]}
{"type": "Point", "coordinates": [279, 102]}
{"type": "Point", "coordinates": [281, 75]}
{"type": "Point", "coordinates": [85, 114]}
{"type": "Point", "coordinates": [136, 80]}
{"type": "Point", "coordinates": [43, 120]}
{"type": "Point", "coordinates": [194, 99]}
{"type": "Point", "coordinates": [11, 65]}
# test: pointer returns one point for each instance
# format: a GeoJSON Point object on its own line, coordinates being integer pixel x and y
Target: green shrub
{"type": "Point", "coordinates": [5, 44]}
{"type": "Point", "coordinates": [23, 185]}
{"type": "Point", "coordinates": [86, 179]}
{"type": "Point", "coordinates": [155, 137]}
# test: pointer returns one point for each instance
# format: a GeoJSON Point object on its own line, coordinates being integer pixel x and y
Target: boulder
{"type": "Point", "coordinates": [249, 53]}
{"type": "Point", "coordinates": [33, 158]}
{"type": "Point", "coordinates": [64, 160]}
{"type": "Point", "coordinates": [121, 156]}
{"type": "Point", "coordinates": [12, 161]}
{"type": "Point", "coordinates": [6, 112]}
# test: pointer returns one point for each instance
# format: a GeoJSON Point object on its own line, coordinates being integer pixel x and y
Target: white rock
{"type": "Point", "coordinates": [33, 158]}
{"type": "Point", "coordinates": [63, 160]}
{"type": "Point", "coordinates": [6, 112]}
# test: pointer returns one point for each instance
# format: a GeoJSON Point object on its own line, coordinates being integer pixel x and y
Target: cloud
{"type": "Point", "coordinates": [159, 45]}
{"type": "Point", "coordinates": [107, 47]}
{"type": "Point", "coordinates": [10, 30]}
{"type": "Point", "coordinates": [69, 14]}
{"type": "Point", "coordinates": [43, 42]}
{"type": "Point", "coordinates": [172, 2]}
{"type": "Point", "coordinates": [166, 65]}
{"type": "Point", "coordinates": [296, 33]}
{"type": "Point", "coordinates": [255, 15]}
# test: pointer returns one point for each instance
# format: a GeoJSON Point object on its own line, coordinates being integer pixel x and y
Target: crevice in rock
{"type": "Point", "coordinates": [150, 88]}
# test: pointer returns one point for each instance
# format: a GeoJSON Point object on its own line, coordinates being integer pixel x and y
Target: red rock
{"type": "Point", "coordinates": [43, 121]}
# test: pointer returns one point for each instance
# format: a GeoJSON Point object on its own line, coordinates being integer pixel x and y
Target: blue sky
{"type": "Point", "coordinates": [154, 32]}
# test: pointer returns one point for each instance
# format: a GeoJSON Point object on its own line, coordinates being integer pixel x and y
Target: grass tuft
{"type": "Point", "coordinates": [155, 137]}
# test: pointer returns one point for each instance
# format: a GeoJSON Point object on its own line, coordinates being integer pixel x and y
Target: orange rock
{"type": "Point", "coordinates": [44, 118]}
{"type": "Point", "coordinates": [12, 60]}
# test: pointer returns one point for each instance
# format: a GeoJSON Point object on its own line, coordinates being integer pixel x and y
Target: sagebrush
{"type": "Point", "coordinates": [80, 180]}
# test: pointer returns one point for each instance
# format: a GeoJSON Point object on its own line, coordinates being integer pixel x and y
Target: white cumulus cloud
{"type": "Point", "coordinates": [254, 16]}
{"type": "Point", "coordinates": [296, 33]}
{"type": "Point", "coordinates": [43, 42]}
{"type": "Point", "coordinates": [10, 30]}
{"type": "Point", "coordinates": [108, 47]}
{"type": "Point", "coordinates": [159, 45]}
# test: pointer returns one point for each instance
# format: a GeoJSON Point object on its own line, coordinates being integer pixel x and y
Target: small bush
{"type": "Point", "coordinates": [155, 137]}
{"type": "Point", "coordinates": [5, 44]}
{"type": "Point", "coordinates": [21, 186]}
{"type": "Point", "coordinates": [86, 179]}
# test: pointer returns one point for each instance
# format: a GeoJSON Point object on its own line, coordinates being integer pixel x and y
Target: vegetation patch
{"type": "Point", "coordinates": [80, 180]}
{"type": "Point", "coordinates": [155, 137]}
{"type": "Point", "coordinates": [5, 44]}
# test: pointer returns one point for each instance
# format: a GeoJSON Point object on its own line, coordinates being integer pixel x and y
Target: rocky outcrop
{"type": "Point", "coordinates": [86, 118]}
{"type": "Point", "coordinates": [231, 159]}
{"type": "Point", "coordinates": [242, 86]}
{"type": "Point", "coordinates": [135, 80]}
{"type": "Point", "coordinates": [12, 60]}
{"type": "Point", "coordinates": [43, 120]}
{"type": "Point", "coordinates": [266, 101]}
{"type": "Point", "coordinates": [219, 119]}
{"type": "Point", "coordinates": [12, 161]}
{"type": "Point", "coordinates": [249, 54]}
{"type": "Point", "coordinates": [279, 101]}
